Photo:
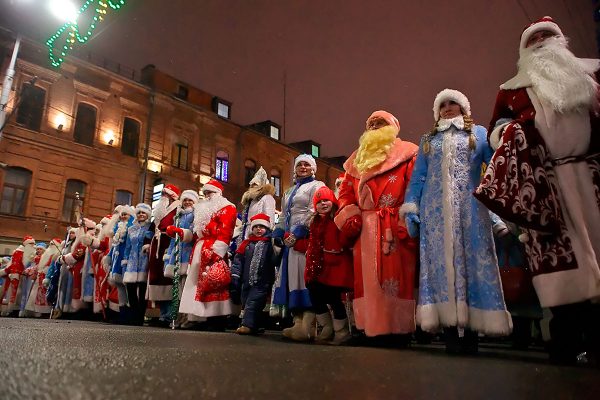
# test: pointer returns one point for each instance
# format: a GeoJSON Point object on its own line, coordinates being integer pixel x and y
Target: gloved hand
{"type": "Point", "coordinates": [145, 248]}
{"type": "Point", "coordinates": [289, 240]}
{"type": "Point", "coordinates": [353, 226]}
{"type": "Point", "coordinates": [172, 231]}
{"type": "Point", "coordinates": [13, 276]}
{"type": "Point", "coordinates": [412, 222]}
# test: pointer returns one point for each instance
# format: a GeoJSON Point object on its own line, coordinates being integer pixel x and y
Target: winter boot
{"type": "Point", "coordinates": [342, 333]}
{"type": "Point", "coordinates": [326, 323]}
{"type": "Point", "coordinates": [309, 326]}
{"type": "Point", "coordinates": [287, 332]}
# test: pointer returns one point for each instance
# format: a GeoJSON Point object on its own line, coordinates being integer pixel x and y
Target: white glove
{"type": "Point", "coordinates": [13, 276]}
{"type": "Point", "coordinates": [145, 248]}
{"type": "Point", "coordinates": [46, 282]}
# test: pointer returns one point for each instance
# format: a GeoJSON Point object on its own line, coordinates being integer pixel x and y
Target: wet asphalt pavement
{"type": "Point", "coordinates": [42, 359]}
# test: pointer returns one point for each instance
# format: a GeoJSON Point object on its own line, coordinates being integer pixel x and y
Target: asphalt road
{"type": "Point", "coordinates": [42, 359]}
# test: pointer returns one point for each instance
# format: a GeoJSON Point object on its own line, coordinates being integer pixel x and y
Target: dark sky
{"type": "Point", "coordinates": [341, 59]}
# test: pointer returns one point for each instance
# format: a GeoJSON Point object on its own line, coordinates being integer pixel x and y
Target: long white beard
{"type": "Point", "coordinates": [559, 79]}
{"type": "Point", "coordinates": [205, 209]}
{"type": "Point", "coordinates": [28, 254]}
{"type": "Point", "coordinates": [48, 256]}
{"type": "Point", "coordinates": [160, 210]}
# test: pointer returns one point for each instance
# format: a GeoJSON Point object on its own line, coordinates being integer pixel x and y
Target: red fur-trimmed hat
{"type": "Point", "coordinates": [172, 190]}
{"type": "Point", "coordinates": [213, 186]}
{"type": "Point", "coordinates": [543, 24]}
{"type": "Point", "coordinates": [260, 219]}
{"type": "Point", "coordinates": [28, 240]}
{"type": "Point", "coordinates": [324, 193]}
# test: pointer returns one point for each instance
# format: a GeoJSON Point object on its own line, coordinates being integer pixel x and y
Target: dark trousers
{"type": "Point", "coordinates": [574, 328]}
{"type": "Point", "coordinates": [254, 299]}
{"type": "Point", "coordinates": [136, 295]}
{"type": "Point", "coordinates": [322, 295]}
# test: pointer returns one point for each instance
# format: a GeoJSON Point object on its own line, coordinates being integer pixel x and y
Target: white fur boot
{"type": "Point", "coordinates": [342, 333]}
{"type": "Point", "coordinates": [289, 332]}
{"type": "Point", "coordinates": [327, 327]}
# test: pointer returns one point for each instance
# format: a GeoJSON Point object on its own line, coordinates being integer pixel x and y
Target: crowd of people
{"type": "Point", "coordinates": [411, 236]}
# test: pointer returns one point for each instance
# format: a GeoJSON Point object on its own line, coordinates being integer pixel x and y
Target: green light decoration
{"type": "Point", "coordinates": [72, 30]}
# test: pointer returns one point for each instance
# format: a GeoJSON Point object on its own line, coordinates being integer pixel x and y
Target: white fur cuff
{"type": "Point", "coordinates": [69, 259]}
{"type": "Point", "coordinates": [408, 208]}
{"type": "Point", "coordinates": [188, 235]}
{"type": "Point", "coordinates": [496, 135]}
{"type": "Point", "coordinates": [220, 248]}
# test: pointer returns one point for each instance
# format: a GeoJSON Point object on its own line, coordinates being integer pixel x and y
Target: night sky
{"type": "Point", "coordinates": [340, 59]}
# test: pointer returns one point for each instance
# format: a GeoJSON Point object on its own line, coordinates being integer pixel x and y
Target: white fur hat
{"type": "Point", "coordinates": [127, 209]}
{"type": "Point", "coordinates": [309, 159]}
{"type": "Point", "coordinates": [189, 194]}
{"type": "Point", "coordinates": [454, 95]}
{"type": "Point", "coordinates": [260, 177]}
{"type": "Point", "coordinates": [145, 208]}
{"type": "Point", "coordinates": [89, 223]}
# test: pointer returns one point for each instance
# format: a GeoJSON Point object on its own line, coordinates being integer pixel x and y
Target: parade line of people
{"type": "Point", "coordinates": [412, 236]}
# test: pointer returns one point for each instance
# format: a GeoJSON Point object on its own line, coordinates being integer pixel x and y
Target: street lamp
{"type": "Point", "coordinates": [7, 84]}
{"type": "Point", "coordinates": [64, 10]}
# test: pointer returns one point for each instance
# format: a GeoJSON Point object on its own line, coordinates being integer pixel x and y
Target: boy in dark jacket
{"type": "Point", "coordinates": [253, 273]}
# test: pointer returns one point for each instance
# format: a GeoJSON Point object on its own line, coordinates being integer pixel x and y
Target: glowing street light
{"type": "Point", "coordinates": [64, 10]}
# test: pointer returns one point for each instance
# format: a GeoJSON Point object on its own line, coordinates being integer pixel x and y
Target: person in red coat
{"type": "Point", "coordinates": [385, 257]}
{"type": "Point", "coordinates": [160, 287]}
{"type": "Point", "coordinates": [20, 258]}
{"type": "Point", "coordinates": [329, 268]}
{"type": "Point", "coordinates": [545, 177]}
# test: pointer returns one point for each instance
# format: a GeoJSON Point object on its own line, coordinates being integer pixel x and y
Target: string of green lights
{"type": "Point", "coordinates": [71, 30]}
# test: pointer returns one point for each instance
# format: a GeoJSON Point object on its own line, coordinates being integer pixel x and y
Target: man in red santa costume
{"type": "Point", "coordinates": [545, 177]}
{"type": "Point", "coordinates": [101, 246]}
{"type": "Point", "coordinates": [159, 286]}
{"type": "Point", "coordinates": [79, 263]}
{"type": "Point", "coordinates": [20, 259]}
{"type": "Point", "coordinates": [373, 189]}
{"type": "Point", "coordinates": [206, 290]}
{"type": "Point", "coordinates": [37, 302]}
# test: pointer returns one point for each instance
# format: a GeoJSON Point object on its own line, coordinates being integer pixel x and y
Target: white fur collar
{"type": "Point", "coordinates": [204, 211]}
{"type": "Point", "coordinates": [443, 124]}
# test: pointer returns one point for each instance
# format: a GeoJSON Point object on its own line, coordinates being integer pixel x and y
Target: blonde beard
{"type": "Point", "coordinates": [374, 147]}
{"type": "Point", "coordinates": [559, 79]}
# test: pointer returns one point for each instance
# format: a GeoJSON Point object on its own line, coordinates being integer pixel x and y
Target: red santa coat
{"type": "Point", "coordinates": [520, 185]}
{"type": "Point", "coordinates": [160, 287]}
{"type": "Point", "coordinates": [384, 255]}
{"type": "Point", "coordinates": [75, 263]}
{"type": "Point", "coordinates": [101, 286]}
{"type": "Point", "coordinates": [328, 254]}
{"type": "Point", "coordinates": [206, 290]}
{"type": "Point", "coordinates": [12, 278]}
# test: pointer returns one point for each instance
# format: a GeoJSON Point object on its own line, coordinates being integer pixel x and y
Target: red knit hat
{"type": "Point", "coordinates": [213, 186]}
{"type": "Point", "coordinates": [260, 219]}
{"type": "Point", "coordinates": [172, 190]}
{"type": "Point", "coordinates": [324, 193]}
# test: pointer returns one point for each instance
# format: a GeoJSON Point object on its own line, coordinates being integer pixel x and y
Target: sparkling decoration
{"type": "Point", "coordinates": [175, 287]}
{"type": "Point", "coordinates": [72, 31]}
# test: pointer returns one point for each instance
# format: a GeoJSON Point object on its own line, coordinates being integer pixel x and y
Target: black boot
{"type": "Point", "coordinates": [452, 340]}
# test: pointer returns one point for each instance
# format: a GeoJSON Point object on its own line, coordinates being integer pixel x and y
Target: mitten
{"type": "Point", "coordinates": [412, 224]}
{"type": "Point", "coordinates": [172, 231]}
{"type": "Point", "coordinates": [352, 226]}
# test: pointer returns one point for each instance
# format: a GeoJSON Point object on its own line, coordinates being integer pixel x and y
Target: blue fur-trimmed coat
{"type": "Point", "coordinates": [185, 221]}
{"type": "Point", "coordinates": [459, 282]}
{"type": "Point", "coordinates": [135, 259]}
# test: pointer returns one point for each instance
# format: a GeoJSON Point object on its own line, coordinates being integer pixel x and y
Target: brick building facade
{"type": "Point", "coordinates": [84, 129]}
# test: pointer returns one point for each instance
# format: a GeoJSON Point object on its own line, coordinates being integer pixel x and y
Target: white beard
{"type": "Point", "coordinates": [121, 231]}
{"type": "Point", "coordinates": [205, 209]}
{"type": "Point", "coordinates": [559, 79]}
{"type": "Point", "coordinates": [48, 256]}
{"type": "Point", "coordinates": [160, 210]}
{"type": "Point", "coordinates": [28, 253]}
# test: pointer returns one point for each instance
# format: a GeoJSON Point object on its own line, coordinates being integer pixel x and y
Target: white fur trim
{"type": "Point", "coordinates": [309, 159]}
{"type": "Point", "coordinates": [171, 193]}
{"type": "Point", "coordinates": [211, 188]}
{"type": "Point", "coordinates": [536, 27]}
{"type": "Point", "coordinates": [408, 208]}
{"type": "Point", "coordinates": [190, 194]}
{"type": "Point", "coordinates": [134, 277]}
{"type": "Point", "coordinates": [220, 248]}
{"type": "Point", "coordinates": [496, 135]}
{"type": "Point", "coordinates": [262, 222]}
{"type": "Point", "coordinates": [13, 276]}
{"type": "Point", "coordinates": [145, 208]}
{"type": "Point", "coordinates": [2, 272]}
{"type": "Point", "coordinates": [166, 256]}
{"type": "Point", "coordinates": [29, 241]}
{"type": "Point", "coordinates": [432, 317]}
{"type": "Point", "coordinates": [169, 271]}
{"type": "Point", "coordinates": [448, 157]}
{"type": "Point", "coordinates": [69, 259]}
{"type": "Point", "coordinates": [454, 95]}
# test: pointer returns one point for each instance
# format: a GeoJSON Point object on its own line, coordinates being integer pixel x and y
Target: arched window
{"type": "Point", "coordinates": [276, 181]}
{"type": "Point", "coordinates": [123, 197]}
{"type": "Point", "coordinates": [14, 193]}
{"type": "Point", "coordinates": [222, 166]}
{"type": "Point", "coordinates": [31, 107]}
{"type": "Point", "coordinates": [85, 124]}
{"type": "Point", "coordinates": [74, 189]}
{"type": "Point", "coordinates": [179, 157]}
{"type": "Point", "coordinates": [249, 171]}
{"type": "Point", "coordinates": [130, 137]}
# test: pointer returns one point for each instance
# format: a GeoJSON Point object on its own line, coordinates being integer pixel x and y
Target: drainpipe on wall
{"type": "Point", "coordinates": [147, 149]}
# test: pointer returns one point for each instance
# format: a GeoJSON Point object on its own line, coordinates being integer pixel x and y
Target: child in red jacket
{"type": "Point", "coordinates": [329, 267]}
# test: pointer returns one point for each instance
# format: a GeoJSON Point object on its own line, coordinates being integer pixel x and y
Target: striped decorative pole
{"type": "Point", "coordinates": [175, 287]}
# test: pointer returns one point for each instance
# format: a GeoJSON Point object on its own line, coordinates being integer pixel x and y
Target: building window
{"type": "Point", "coordinates": [85, 124]}
{"type": "Point", "coordinates": [182, 92]}
{"type": "Point", "coordinates": [249, 171]}
{"type": "Point", "coordinates": [130, 137]}
{"type": "Point", "coordinates": [222, 166]}
{"type": "Point", "coordinates": [14, 193]}
{"type": "Point", "coordinates": [223, 110]}
{"type": "Point", "coordinates": [70, 204]}
{"type": "Point", "coordinates": [274, 132]}
{"type": "Point", "coordinates": [315, 150]}
{"type": "Point", "coordinates": [123, 197]}
{"type": "Point", "coordinates": [221, 107]}
{"type": "Point", "coordinates": [31, 107]}
{"type": "Point", "coordinates": [276, 181]}
{"type": "Point", "coordinates": [179, 157]}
